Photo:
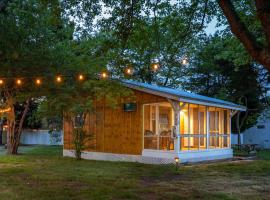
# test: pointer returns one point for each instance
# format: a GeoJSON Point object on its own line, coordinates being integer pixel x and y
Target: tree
{"type": "Point", "coordinates": [259, 50]}
{"type": "Point", "coordinates": [37, 42]}
{"type": "Point", "coordinates": [215, 72]}
{"type": "Point", "coordinates": [140, 33]}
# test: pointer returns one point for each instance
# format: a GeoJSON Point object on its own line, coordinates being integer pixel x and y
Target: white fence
{"type": "Point", "coordinates": [41, 137]}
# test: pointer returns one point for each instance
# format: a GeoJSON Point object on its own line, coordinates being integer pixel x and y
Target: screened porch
{"type": "Point", "coordinates": [185, 127]}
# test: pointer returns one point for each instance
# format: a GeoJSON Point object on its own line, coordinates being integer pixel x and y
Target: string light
{"type": "Point", "coordinates": [38, 81]}
{"type": "Point", "coordinates": [58, 79]}
{"type": "Point", "coordinates": [19, 82]}
{"type": "Point", "coordinates": [104, 75]}
{"type": "Point", "coordinates": [5, 110]}
{"type": "Point", "coordinates": [81, 77]}
{"type": "Point", "coordinates": [185, 61]}
{"type": "Point", "coordinates": [129, 71]}
{"type": "Point", "coordinates": [155, 66]}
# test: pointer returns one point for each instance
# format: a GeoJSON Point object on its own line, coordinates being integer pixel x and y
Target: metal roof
{"type": "Point", "coordinates": [180, 95]}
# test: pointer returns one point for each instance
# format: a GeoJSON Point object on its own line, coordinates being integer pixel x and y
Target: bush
{"type": "Point", "coordinates": [79, 137]}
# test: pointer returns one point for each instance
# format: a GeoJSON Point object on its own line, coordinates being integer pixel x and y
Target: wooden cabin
{"type": "Point", "coordinates": [159, 125]}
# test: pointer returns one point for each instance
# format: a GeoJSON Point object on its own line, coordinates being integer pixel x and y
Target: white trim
{"type": "Point", "coordinates": [207, 127]}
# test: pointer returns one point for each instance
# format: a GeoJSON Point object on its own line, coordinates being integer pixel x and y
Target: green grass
{"type": "Point", "coordinates": [41, 172]}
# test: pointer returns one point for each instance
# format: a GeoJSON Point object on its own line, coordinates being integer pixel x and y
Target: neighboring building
{"type": "Point", "coordinates": [260, 133]}
{"type": "Point", "coordinates": [157, 126]}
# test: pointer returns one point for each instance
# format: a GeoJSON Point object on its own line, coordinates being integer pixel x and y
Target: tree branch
{"type": "Point", "coordinates": [263, 12]}
{"type": "Point", "coordinates": [239, 29]}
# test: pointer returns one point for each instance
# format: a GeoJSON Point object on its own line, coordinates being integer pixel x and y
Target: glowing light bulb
{"type": "Point", "coordinates": [38, 81]}
{"type": "Point", "coordinates": [129, 71]}
{"type": "Point", "coordinates": [19, 82]}
{"type": "Point", "coordinates": [1, 82]}
{"type": "Point", "coordinates": [58, 79]}
{"type": "Point", "coordinates": [104, 75]}
{"type": "Point", "coordinates": [81, 77]}
{"type": "Point", "coordinates": [185, 61]}
{"type": "Point", "coordinates": [155, 66]}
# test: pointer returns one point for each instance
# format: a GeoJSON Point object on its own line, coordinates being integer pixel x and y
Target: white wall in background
{"type": "Point", "coordinates": [234, 139]}
{"type": "Point", "coordinates": [41, 137]}
{"type": "Point", "coordinates": [260, 133]}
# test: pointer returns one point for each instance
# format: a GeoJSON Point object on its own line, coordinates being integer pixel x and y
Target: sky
{"type": "Point", "coordinates": [211, 28]}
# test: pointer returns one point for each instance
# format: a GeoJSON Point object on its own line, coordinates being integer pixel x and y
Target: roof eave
{"type": "Point", "coordinates": [185, 99]}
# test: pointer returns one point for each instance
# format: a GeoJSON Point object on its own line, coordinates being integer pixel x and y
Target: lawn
{"type": "Point", "coordinates": [42, 173]}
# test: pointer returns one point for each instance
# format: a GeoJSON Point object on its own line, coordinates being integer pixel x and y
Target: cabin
{"type": "Point", "coordinates": [157, 126]}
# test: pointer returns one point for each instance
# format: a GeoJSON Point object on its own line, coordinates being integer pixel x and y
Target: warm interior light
{"type": "Point", "coordinates": [38, 81]}
{"type": "Point", "coordinates": [1, 82]}
{"type": "Point", "coordinates": [19, 82]}
{"type": "Point", "coordinates": [58, 79]}
{"type": "Point", "coordinates": [81, 77]}
{"type": "Point", "coordinates": [182, 112]}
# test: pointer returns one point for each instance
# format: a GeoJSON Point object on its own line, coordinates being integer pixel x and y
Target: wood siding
{"type": "Point", "coordinates": [112, 129]}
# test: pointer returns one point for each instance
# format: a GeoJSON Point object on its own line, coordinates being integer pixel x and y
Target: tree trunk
{"type": "Point", "coordinates": [256, 51]}
{"type": "Point", "coordinates": [14, 130]}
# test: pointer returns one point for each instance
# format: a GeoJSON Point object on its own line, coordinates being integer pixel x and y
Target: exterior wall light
{"type": "Point", "coordinates": [176, 159]}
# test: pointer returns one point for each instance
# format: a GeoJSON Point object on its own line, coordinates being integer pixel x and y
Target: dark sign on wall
{"type": "Point", "coordinates": [129, 107]}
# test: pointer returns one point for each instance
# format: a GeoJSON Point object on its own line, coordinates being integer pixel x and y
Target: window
{"type": "Point", "coordinates": [158, 120]}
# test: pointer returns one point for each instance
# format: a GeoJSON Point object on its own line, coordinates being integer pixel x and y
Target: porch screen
{"type": "Point", "coordinates": [158, 126]}
{"type": "Point", "coordinates": [193, 127]}
{"type": "Point", "coordinates": [219, 128]}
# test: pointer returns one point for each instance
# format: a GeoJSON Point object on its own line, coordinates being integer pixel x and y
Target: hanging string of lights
{"type": "Point", "coordinates": [129, 71]}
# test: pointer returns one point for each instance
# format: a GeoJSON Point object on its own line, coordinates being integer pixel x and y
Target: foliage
{"type": "Point", "coordinates": [78, 141]}
{"type": "Point", "coordinates": [249, 22]}
{"type": "Point", "coordinates": [137, 34]}
{"type": "Point", "coordinates": [37, 42]}
{"type": "Point", "coordinates": [212, 74]}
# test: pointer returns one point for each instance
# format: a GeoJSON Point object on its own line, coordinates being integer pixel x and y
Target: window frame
{"type": "Point", "coordinates": [157, 132]}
